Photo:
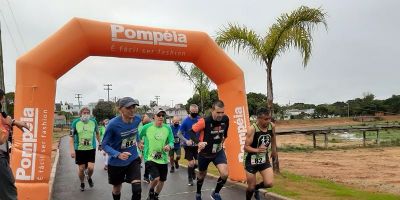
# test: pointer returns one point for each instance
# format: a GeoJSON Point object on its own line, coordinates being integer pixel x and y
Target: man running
{"type": "Point", "coordinates": [102, 130]}
{"type": "Point", "coordinates": [188, 145]}
{"type": "Point", "coordinates": [258, 138]}
{"type": "Point", "coordinates": [120, 142]}
{"type": "Point", "coordinates": [84, 132]}
{"type": "Point", "coordinates": [213, 132]}
{"type": "Point", "coordinates": [177, 145]}
{"type": "Point", "coordinates": [158, 139]}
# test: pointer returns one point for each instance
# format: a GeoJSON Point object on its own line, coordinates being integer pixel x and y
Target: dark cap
{"type": "Point", "coordinates": [159, 110]}
{"type": "Point", "coordinates": [127, 101]}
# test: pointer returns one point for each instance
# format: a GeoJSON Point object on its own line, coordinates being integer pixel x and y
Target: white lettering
{"type": "Point", "coordinates": [121, 34]}
{"type": "Point", "coordinates": [29, 145]}
{"type": "Point", "coordinates": [239, 120]}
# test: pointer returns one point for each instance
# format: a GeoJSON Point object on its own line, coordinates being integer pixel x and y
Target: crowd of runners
{"type": "Point", "coordinates": [130, 141]}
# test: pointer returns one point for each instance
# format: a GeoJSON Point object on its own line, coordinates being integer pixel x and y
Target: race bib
{"type": "Point", "coordinates": [216, 148]}
{"type": "Point", "coordinates": [86, 142]}
{"type": "Point", "coordinates": [176, 140]}
{"type": "Point", "coordinates": [156, 155]}
{"type": "Point", "coordinates": [258, 159]}
{"type": "Point", "coordinates": [128, 142]}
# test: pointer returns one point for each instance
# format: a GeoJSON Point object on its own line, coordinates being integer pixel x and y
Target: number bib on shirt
{"type": "Point", "coordinates": [156, 155]}
{"type": "Point", "coordinates": [216, 148]}
{"type": "Point", "coordinates": [85, 142]}
{"type": "Point", "coordinates": [258, 159]}
{"type": "Point", "coordinates": [176, 140]}
{"type": "Point", "coordinates": [128, 142]}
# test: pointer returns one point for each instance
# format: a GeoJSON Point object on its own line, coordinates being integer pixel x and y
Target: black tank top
{"type": "Point", "coordinates": [260, 138]}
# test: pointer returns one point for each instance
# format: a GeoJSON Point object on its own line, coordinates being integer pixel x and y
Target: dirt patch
{"type": "Point", "coordinates": [376, 169]}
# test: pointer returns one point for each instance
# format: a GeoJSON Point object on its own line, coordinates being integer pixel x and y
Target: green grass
{"type": "Point", "coordinates": [301, 187]}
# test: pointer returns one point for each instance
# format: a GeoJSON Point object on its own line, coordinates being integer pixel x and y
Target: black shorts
{"type": "Point", "coordinates": [82, 157]}
{"type": "Point", "coordinates": [157, 170]}
{"type": "Point", "coordinates": [120, 174]}
{"type": "Point", "coordinates": [257, 167]}
{"type": "Point", "coordinates": [218, 158]}
{"type": "Point", "coordinates": [191, 152]}
{"type": "Point", "coordinates": [176, 151]}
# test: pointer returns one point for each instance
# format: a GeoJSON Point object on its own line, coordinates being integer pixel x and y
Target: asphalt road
{"type": "Point", "coordinates": [67, 184]}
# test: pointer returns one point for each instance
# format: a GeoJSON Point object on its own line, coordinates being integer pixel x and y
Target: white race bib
{"type": "Point", "coordinates": [128, 142]}
{"type": "Point", "coordinates": [257, 159]}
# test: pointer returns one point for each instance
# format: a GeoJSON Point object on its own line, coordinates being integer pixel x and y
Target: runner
{"type": "Point", "coordinates": [188, 145]}
{"type": "Point", "coordinates": [102, 130]}
{"type": "Point", "coordinates": [213, 132]}
{"type": "Point", "coordinates": [145, 120]}
{"type": "Point", "coordinates": [84, 132]}
{"type": "Point", "coordinates": [177, 145]}
{"type": "Point", "coordinates": [258, 138]}
{"type": "Point", "coordinates": [158, 139]}
{"type": "Point", "coordinates": [120, 142]}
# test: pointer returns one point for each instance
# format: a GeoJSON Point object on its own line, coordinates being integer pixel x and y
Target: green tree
{"type": "Point", "coordinates": [255, 101]}
{"type": "Point", "coordinates": [104, 110]}
{"type": "Point", "coordinates": [201, 83]}
{"type": "Point", "coordinates": [10, 103]}
{"type": "Point", "coordinates": [195, 99]}
{"type": "Point", "coordinates": [290, 30]}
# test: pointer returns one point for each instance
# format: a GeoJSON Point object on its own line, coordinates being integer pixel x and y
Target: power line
{"type": "Point", "coordinates": [8, 30]}
{"type": "Point", "coordinates": [16, 24]}
{"type": "Point", "coordinates": [157, 98]}
{"type": "Point", "coordinates": [79, 96]}
{"type": "Point", "coordinates": [108, 90]}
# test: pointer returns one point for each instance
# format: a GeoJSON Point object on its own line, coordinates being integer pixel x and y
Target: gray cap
{"type": "Point", "coordinates": [158, 110]}
{"type": "Point", "coordinates": [127, 101]}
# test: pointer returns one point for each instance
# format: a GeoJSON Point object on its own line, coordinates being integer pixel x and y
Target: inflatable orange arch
{"type": "Point", "coordinates": [38, 70]}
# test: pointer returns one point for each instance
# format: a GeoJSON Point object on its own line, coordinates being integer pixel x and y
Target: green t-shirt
{"type": "Point", "coordinates": [102, 130]}
{"type": "Point", "coordinates": [155, 138]}
{"type": "Point", "coordinates": [84, 134]}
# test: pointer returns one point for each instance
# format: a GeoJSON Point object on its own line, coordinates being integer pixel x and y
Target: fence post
{"type": "Point", "coordinates": [326, 139]}
{"type": "Point", "coordinates": [377, 137]}
{"type": "Point", "coordinates": [364, 138]}
{"type": "Point", "coordinates": [314, 140]}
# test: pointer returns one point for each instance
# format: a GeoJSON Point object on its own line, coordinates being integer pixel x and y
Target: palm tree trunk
{"type": "Point", "coordinates": [270, 97]}
{"type": "Point", "coordinates": [270, 93]}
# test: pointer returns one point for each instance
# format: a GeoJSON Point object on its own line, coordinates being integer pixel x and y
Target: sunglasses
{"type": "Point", "coordinates": [160, 115]}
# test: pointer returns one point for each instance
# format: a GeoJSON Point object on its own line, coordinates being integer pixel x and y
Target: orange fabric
{"type": "Point", "coordinates": [199, 127]}
{"type": "Point", "coordinates": [38, 70]}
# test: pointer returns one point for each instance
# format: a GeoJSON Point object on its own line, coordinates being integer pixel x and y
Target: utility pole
{"type": "Point", "coordinates": [108, 90]}
{"type": "Point", "coordinates": [79, 96]}
{"type": "Point", "coordinates": [157, 98]}
{"type": "Point", "coordinates": [2, 86]}
{"type": "Point", "coordinates": [348, 109]}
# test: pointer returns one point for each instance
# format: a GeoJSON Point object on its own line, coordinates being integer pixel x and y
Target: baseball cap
{"type": "Point", "coordinates": [158, 110]}
{"type": "Point", "coordinates": [127, 101]}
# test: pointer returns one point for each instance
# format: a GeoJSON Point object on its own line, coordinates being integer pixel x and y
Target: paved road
{"type": "Point", "coordinates": [66, 183]}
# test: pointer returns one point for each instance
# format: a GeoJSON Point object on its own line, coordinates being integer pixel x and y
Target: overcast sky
{"type": "Point", "coordinates": [359, 53]}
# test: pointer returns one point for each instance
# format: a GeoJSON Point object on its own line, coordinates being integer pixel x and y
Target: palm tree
{"type": "Point", "coordinates": [200, 81]}
{"type": "Point", "coordinates": [292, 30]}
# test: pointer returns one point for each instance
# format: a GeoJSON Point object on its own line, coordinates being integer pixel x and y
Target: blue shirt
{"type": "Point", "coordinates": [177, 142]}
{"type": "Point", "coordinates": [187, 125]}
{"type": "Point", "coordinates": [121, 137]}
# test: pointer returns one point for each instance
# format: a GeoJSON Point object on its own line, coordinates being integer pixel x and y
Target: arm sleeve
{"type": "Point", "coordinates": [226, 128]}
{"type": "Point", "coordinates": [106, 143]}
{"type": "Point", "coordinates": [180, 132]}
{"type": "Point", "coordinates": [199, 126]}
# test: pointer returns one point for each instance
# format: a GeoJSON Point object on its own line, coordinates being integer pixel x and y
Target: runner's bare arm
{"type": "Point", "coordinates": [249, 140]}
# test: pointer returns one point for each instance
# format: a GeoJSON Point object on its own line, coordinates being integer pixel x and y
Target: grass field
{"type": "Point", "coordinates": [301, 187]}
